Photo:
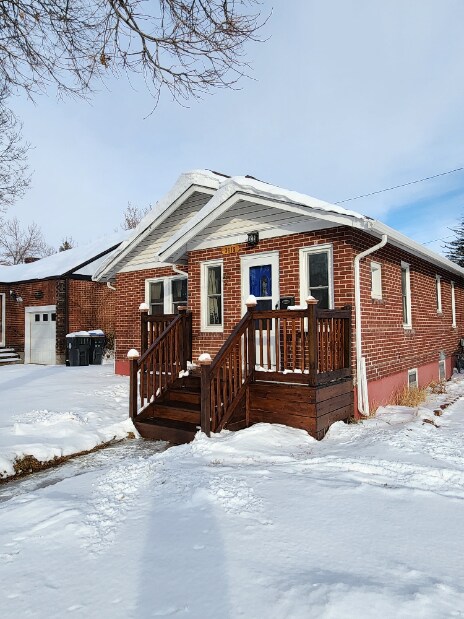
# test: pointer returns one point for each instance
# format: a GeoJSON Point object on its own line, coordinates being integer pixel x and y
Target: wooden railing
{"type": "Point", "coordinates": [151, 327]}
{"type": "Point", "coordinates": [308, 346]}
{"type": "Point", "coordinates": [160, 365]}
{"type": "Point", "coordinates": [224, 381]}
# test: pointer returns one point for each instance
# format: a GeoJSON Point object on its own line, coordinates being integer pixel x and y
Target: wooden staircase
{"type": "Point", "coordinates": [277, 366]}
{"type": "Point", "coordinates": [175, 417]}
{"type": "Point", "coordinates": [8, 356]}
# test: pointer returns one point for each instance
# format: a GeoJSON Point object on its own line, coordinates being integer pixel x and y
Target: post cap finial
{"type": "Point", "coordinates": [310, 300]}
{"type": "Point", "coordinates": [143, 307]}
{"type": "Point", "coordinates": [133, 354]}
{"type": "Point", "coordinates": [251, 302]}
{"type": "Point", "coordinates": [205, 359]}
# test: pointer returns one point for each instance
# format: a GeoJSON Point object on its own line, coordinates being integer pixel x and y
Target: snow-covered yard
{"type": "Point", "coordinates": [266, 522]}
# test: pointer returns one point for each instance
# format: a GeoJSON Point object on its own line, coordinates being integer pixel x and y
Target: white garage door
{"type": "Point", "coordinates": [42, 335]}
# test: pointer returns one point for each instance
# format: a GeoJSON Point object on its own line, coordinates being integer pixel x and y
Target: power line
{"type": "Point", "coordinates": [420, 180]}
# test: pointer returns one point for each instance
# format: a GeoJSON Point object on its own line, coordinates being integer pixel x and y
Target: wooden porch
{"type": "Point", "coordinates": [278, 366]}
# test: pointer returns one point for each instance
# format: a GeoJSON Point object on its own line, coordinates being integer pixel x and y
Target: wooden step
{"type": "Point", "coordinates": [174, 432]}
{"type": "Point", "coordinates": [184, 394]}
{"type": "Point", "coordinates": [178, 411]}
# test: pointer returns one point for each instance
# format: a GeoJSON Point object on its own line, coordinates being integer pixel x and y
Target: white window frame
{"type": "Point", "coordinates": [413, 371]}
{"type": "Point", "coordinates": [167, 282]}
{"type": "Point", "coordinates": [376, 281]}
{"type": "Point", "coordinates": [205, 327]}
{"type": "Point", "coordinates": [453, 305]}
{"type": "Point", "coordinates": [442, 364]}
{"type": "Point", "coordinates": [304, 275]}
{"type": "Point", "coordinates": [406, 267]}
{"type": "Point", "coordinates": [438, 292]}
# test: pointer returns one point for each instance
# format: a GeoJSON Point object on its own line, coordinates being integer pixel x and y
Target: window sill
{"type": "Point", "coordinates": [218, 329]}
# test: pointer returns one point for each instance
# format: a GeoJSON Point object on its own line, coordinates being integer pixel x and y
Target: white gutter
{"type": "Point", "coordinates": [178, 271]}
{"type": "Point", "coordinates": [361, 379]}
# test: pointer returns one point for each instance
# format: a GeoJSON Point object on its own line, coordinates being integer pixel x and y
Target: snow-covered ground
{"type": "Point", "coordinates": [266, 522]}
{"type": "Point", "coordinates": [53, 411]}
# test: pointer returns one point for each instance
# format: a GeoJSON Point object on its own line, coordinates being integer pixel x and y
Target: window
{"type": "Point", "coordinates": [53, 317]}
{"type": "Point", "coordinates": [438, 293]}
{"type": "Point", "coordinates": [453, 304]}
{"type": "Point", "coordinates": [212, 296]}
{"type": "Point", "coordinates": [164, 295]}
{"type": "Point", "coordinates": [157, 298]}
{"type": "Point", "coordinates": [412, 379]}
{"type": "Point", "coordinates": [406, 294]}
{"type": "Point", "coordinates": [37, 317]}
{"type": "Point", "coordinates": [442, 370]}
{"type": "Point", "coordinates": [376, 280]}
{"type": "Point", "coordinates": [316, 274]}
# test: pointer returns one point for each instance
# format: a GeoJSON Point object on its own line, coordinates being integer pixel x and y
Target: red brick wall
{"type": "Point", "coordinates": [389, 348]}
{"type": "Point", "coordinates": [289, 279]}
{"type": "Point", "coordinates": [91, 305]}
{"type": "Point", "coordinates": [387, 345]}
{"type": "Point", "coordinates": [15, 319]}
{"type": "Point", "coordinates": [130, 292]}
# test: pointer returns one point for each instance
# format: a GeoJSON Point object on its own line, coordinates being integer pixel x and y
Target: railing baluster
{"type": "Point", "coordinates": [284, 329]}
{"type": "Point", "coordinates": [293, 345]}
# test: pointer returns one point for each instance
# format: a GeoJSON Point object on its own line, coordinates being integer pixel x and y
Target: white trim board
{"type": "Point", "coordinates": [202, 181]}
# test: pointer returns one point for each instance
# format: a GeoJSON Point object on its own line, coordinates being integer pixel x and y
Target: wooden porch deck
{"type": "Point", "coordinates": [282, 366]}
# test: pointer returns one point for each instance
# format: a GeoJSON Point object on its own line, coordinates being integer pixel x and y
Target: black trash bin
{"type": "Point", "coordinates": [97, 345]}
{"type": "Point", "coordinates": [78, 346]}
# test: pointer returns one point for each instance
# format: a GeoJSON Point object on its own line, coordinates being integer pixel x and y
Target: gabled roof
{"type": "Point", "coordinates": [237, 189]}
{"type": "Point", "coordinates": [188, 183]}
{"type": "Point", "coordinates": [245, 188]}
{"type": "Point", "coordinates": [81, 261]}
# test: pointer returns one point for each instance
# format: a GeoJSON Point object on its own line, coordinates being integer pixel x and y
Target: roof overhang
{"type": "Point", "coordinates": [187, 184]}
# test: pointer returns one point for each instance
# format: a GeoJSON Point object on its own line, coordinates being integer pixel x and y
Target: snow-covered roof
{"type": "Point", "coordinates": [82, 260]}
{"type": "Point", "coordinates": [239, 188]}
{"type": "Point", "coordinates": [186, 184]}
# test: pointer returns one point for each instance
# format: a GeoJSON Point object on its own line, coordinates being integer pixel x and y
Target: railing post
{"type": "Point", "coordinates": [133, 357]}
{"type": "Point", "coordinates": [205, 417]}
{"type": "Point", "coordinates": [347, 338]}
{"type": "Point", "coordinates": [143, 309]}
{"type": "Point", "coordinates": [313, 344]}
{"type": "Point", "coordinates": [251, 304]}
{"type": "Point", "coordinates": [184, 344]}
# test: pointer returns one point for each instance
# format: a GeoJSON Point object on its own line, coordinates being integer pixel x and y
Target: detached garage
{"type": "Point", "coordinates": [42, 301]}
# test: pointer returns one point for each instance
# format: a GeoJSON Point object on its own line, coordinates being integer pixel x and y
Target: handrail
{"type": "Point", "coordinates": [160, 364]}
{"type": "Point", "coordinates": [224, 381]}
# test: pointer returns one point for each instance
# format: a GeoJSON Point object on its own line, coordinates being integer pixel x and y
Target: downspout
{"type": "Point", "coordinates": [361, 378]}
{"type": "Point", "coordinates": [178, 271]}
{"type": "Point", "coordinates": [110, 286]}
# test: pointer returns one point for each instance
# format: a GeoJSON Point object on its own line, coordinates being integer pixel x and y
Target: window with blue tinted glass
{"type": "Point", "coordinates": [261, 281]}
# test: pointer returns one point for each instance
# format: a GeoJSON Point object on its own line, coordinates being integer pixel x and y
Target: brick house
{"type": "Point", "coordinates": [214, 240]}
{"type": "Point", "coordinates": [42, 301]}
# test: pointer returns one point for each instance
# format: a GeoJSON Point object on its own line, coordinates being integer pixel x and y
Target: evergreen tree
{"type": "Point", "coordinates": [455, 249]}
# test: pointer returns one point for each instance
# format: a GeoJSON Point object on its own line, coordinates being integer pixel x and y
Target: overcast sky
{"type": "Point", "coordinates": [347, 97]}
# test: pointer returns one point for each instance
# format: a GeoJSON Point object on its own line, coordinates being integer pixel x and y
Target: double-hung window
{"type": "Point", "coordinates": [212, 296]}
{"type": "Point", "coordinates": [164, 295]}
{"type": "Point", "coordinates": [316, 275]}
{"type": "Point", "coordinates": [406, 294]}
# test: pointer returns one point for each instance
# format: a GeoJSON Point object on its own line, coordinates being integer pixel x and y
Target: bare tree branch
{"type": "Point", "coordinates": [17, 243]}
{"type": "Point", "coordinates": [186, 46]}
{"type": "Point", "coordinates": [14, 178]}
{"type": "Point", "coordinates": [133, 215]}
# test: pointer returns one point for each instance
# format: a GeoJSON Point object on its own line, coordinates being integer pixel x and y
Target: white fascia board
{"type": "Point", "coordinates": [189, 182]}
{"type": "Point", "coordinates": [232, 192]}
{"type": "Point", "coordinates": [416, 249]}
